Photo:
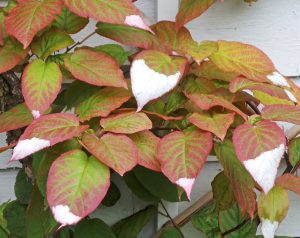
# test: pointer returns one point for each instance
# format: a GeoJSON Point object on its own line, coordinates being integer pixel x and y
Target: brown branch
{"type": "Point", "coordinates": [80, 42]}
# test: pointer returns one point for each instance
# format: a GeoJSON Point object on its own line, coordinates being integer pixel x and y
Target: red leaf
{"type": "Point", "coordinates": [17, 117]}
{"type": "Point", "coordinates": [287, 113]}
{"type": "Point", "coordinates": [216, 123]}
{"type": "Point", "coordinates": [147, 144]}
{"type": "Point", "coordinates": [76, 186]}
{"type": "Point", "coordinates": [41, 82]}
{"type": "Point", "coordinates": [116, 151]}
{"type": "Point", "coordinates": [207, 101]}
{"type": "Point", "coordinates": [113, 11]}
{"type": "Point", "coordinates": [289, 182]}
{"type": "Point", "coordinates": [127, 123]}
{"type": "Point", "coordinates": [182, 155]}
{"type": "Point", "coordinates": [260, 148]}
{"type": "Point", "coordinates": [29, 17]}
{"type": "Point", "coordinates": [11, 54]}
{"type": "Point", "coordinates": [47, 131]}
{"type": "Point", "coordinates": [95, 68]}
{"type": "Point", "coordinates": [191, 9]}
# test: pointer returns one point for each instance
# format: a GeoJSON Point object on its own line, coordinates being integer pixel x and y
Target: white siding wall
{"type": "Point", "coordinates": [271, 26]}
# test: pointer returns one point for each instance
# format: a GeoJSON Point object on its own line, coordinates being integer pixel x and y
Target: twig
{"type": "Point", "coordinates": [171, 219]}
{"type": "Point", "coordinates": [81, 42]}
{"type": "Point", "coordinates": [253, 107]}
{"type": "Point", "coordinates": [234, 228]}
{"type": "Point", "coordinates": [2, 228]}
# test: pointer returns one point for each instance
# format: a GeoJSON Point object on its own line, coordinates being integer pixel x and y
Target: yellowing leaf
{"type": "Point", "coordinates": [126, 123]}
{"type": "Point", "coordinates": [243, 59]}
{"type": "Point", "coordinates": [41, 82]}
{"type": "Point", "coordinates": [95, 68]}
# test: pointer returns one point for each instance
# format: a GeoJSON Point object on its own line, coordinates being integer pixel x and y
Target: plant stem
{"type": "Point", "coordinates": [234, 228]}
{"type": "Point", "coordinates": [253, 107]}
{"type": "Point", "coordinates": [80, 42]}
{"type": "Point", "coordinates": [171, 219]}
{"type": "Point", "coordinates": [2, 228]}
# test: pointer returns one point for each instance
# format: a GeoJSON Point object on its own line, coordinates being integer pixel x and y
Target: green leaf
{"type": "Point", "coordinates": [76, 186]}
{"type": "Point", "coordinates": [241, 182]}
{"type": "Point", "coordinates": [128, 35]}
{"type": "Point", "coordinates": [126, 123]}
{"type": "Point", "coordinates": [222, 191]}
{"type": "Point", "coordinates": [15, 118]}
{"type": "Point", "coordinates": [101, 103]}
{"type": "Point", "coordinates": [95, 68]}
{"type": "Point", "coordinates": [114, 50]}
{"type": "Point", "coordinates": [39, 220]}
{"type": "Point", "coordinates": [49, 42]}
{"type": "Point", "coordinates": [182, 155]}
{"type": "Point", "coordinates": [29, 17]}
{"type": "Point", "coordinates": [78, 92]}
{"type": "Point", "coordinates": [11, 54]}
{"type": "Point", "coordinates": [232, 218]}
{"type": "Point", "coordinates": [3, 222]}
{"type": "Point", "coordinates": [294, 151]}
{"type": "Point", "coordinates": [69, 22]}
{"type": "Point", "coordinates": [138, 188]}
{"type": "Point", "coordinates": [174, 102]}
{"type": "Point", "coordinates": [131, 226]}
{"type": "Point", "coordinates": [166, 190]}
{"type": "Point", "coordinates": [170, 232]}
{"type": "Point", "coordinates": [116, 151]}
{"type": "Point", "coordinates": [201, 51]}
{"type": "Point", "coordinates": [93, 228]}
{"type": "Point", "coordinates": [267, 99]}
{"type": "Point", "coordinates": [112, 196]}
{"type": "Point", "coordinates": [206, 221]}
{"type": "Point", "coordinates": [14, 214]}
{"type": "Point", "coordinates": [23, 187]}
{"type": "Point", "coordinates": [243, 59]}
{"type": "Point", "coordinates": [191, 9]}
{"type": "Point", "coordinates": [41, 83]}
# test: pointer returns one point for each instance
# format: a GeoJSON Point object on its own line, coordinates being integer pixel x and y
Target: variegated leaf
{"type": "Point", "coordinates": [76, 186]}
{"type": "Point", "coordinates": [272, 209]}
{"type": "Point", "coordinates": [128, 35]}
{"type": "Point", "coordinates": [29, 17]}
{"type": "Point", "coordinates": [287, 113]}
{"type": "Point", "coordinates": [116, 151]}
{"type": "Point", "coordinates": [15, 118]}
{"type": "Point", "coordinates": [11, 54]}
{"type": "Point", "coordinates": [216, 123]}
{"type": "Point", "coordinates": [243, 59]}
{"type": "Point", "coordinates": [153, 74]}
{"type": "Point", "coordinates": [126, 123]}
{"type": "Point", "coordinates": [113, 11]}
{"type": "Point", "coordinates": [47, 131]}
{"type": "Point", "coordinates": [95, 68]}
{"type": "Point", "coordinates": [191, 9]}
{"type": "Point", "coordinates": [102, 103]}
{"type": "Point", "coordinates": [147, 143]}
{"type": "Point", "coordinates": [260, 148]}
{"type": "Point", "coordinates": [41, 82]}
{"type": "Point", "coordinates": [182, 155]}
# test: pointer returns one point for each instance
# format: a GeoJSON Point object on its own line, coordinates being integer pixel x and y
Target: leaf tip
{"type": "Point", "coordinates": [63, 215]}
{"type": "Point", "coordinates": [137, 21]}
{"type": "Point", "coordinates": [28, 147]}
{"type": "Point", "coordinates": [269, 228]}
{"type": "Point", "coordinates": [187, 185]}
